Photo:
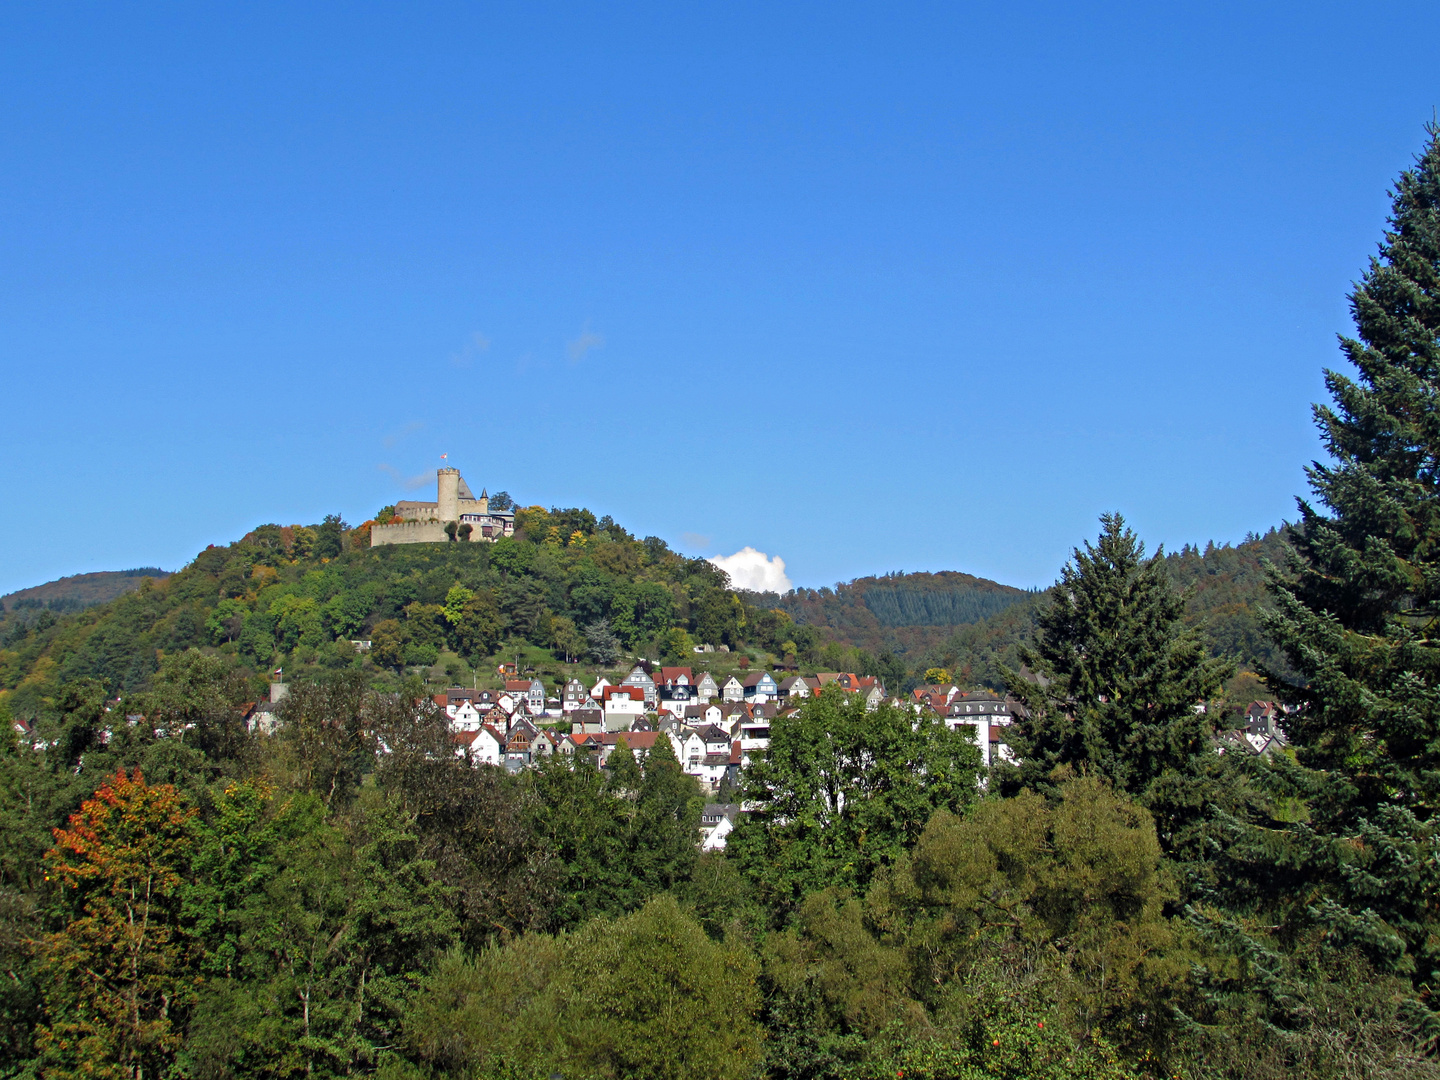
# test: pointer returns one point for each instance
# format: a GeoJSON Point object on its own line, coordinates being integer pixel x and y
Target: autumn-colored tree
{"type": "Point", "coordinates": [119, 973]}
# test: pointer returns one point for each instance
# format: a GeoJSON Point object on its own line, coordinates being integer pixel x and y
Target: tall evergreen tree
{"type": "Point", "coordinates": [1358, 606]}
{"type": "Point", "coordinates": [1116, 681]}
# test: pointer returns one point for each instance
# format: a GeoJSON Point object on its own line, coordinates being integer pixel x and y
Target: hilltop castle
{"type": "Point", "coordinates": [455, 515]}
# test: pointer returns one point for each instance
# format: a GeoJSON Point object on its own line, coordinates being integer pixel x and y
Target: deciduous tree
{"type": "Point", "coordinates": [842, 791]}
{"type": "Point", "coordinates": [121, 971]}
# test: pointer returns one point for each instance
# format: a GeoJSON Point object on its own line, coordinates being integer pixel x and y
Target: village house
{"type": "Point", "coordinates": [527, 692]}
{"type": "Point", "coordinates": [1264, 732]}
{"type": "Point", "coordinates": [717, 820]}
{"type": "Point", "coordinates": [675, 697]}
{"type": "Point", "coordinates": [622, 704]}
{"type": "Point", "coordinates": [484, 744]}
{"type": "Point", "coordinates": [575, 696]}
{"type": "Point", "coordinates": [701, 715]}
{"type": "Point", "coordinates": [638, 677]}
{"type": "Point", "coordinates": [759, 687]}
{"type": "Point", "coordinates": [518, 742]}
{"type": "Point", "coordinates": [583, 721]}
{"type": "Point", "coordinates": [793, 688]}
{"type": "Point", "coordinates": [706, 688]}
{"type": "Point", "coordinates": [928, 694]}
{"type": "Point", "coordinates": [464, 717]}
{"type": "Point", "coordinates": [732, 689]}
{"type": "Point", "coordinates": [987, 715]}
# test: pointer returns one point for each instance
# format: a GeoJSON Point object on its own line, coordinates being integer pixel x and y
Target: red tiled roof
{"type": "Point", "coordinates": [634, 693]}
{"type": "Point", "coordinates": [635, 740]}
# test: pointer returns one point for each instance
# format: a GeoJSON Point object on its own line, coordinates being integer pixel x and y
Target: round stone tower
{"type": "Point", "coordinates": [448, 490]}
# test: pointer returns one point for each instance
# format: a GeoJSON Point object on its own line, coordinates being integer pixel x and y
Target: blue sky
{"type": "Point", "coordinates": [868, 287]}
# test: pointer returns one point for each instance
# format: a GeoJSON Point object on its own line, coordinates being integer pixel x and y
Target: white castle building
{"type": "Point", "coordinates": [456, 514]}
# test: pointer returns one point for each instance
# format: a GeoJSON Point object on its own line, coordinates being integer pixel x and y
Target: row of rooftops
{"type": "Point", "coordinates": [671, 678]}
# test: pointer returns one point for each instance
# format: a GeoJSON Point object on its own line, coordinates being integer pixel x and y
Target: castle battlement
{"type": "Point", "coordinates": [425, 521]}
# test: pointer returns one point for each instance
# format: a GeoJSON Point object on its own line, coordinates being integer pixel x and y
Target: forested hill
{"type": "Point", "coordinates": [898, 612]}
{"type": "Point", "coordinates": [567, 586]}
{"type": "Point", "coordinates": [1227, 586]}
{"type": "Point", "coordinates": [79, 591]}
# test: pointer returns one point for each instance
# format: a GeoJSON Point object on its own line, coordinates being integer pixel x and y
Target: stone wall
{"type": "Point", "coordinates": [408, 532]}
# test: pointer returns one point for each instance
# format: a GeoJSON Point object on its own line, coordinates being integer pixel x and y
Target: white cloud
{"type": "Point", "coordinates": [404, 433]}
{"type": "Point", "coordinates": [751, 569]}
{"type": "Point", "coordinates": [409, 483]}
{"type": "Point", "coordinates": [587, 340]}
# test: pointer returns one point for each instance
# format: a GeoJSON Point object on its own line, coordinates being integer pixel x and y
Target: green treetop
{"type": "Point", "coordinates": [1116, 677]}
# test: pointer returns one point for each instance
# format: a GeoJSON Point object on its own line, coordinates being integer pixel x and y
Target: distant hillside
{"type": "Point", "coordinates": [1228, 584]}
{"type": "Point", "coordinates": [300, 597]}
{"type": "Point", "coordinates": [900, 613]}
{"type": "Point", "coordinates": [79, 591]}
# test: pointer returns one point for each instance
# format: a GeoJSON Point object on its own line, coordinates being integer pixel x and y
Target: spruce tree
{"type": "Point", "coordinates": [1358, 605]}
{"type": "Point", "coordinates": [1116, 681]}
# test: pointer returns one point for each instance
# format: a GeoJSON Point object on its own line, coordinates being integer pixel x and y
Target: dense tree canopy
{"type": "Point", "coordinates": [842, 791]}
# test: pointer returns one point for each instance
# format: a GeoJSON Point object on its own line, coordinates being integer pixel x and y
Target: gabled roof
{"type": "Point", "coordinates": [711, 733]}
{"type": "Point", "coordinates": [634, 693]}
{"type": "Point", "coordinates": [635, 740]}
{"type": "Point", "coordinates": [670, 674]}
{"type": "Point", "coordinates": [756, 677]}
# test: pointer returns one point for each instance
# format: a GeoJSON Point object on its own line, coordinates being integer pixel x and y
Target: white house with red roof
{"type": "Point", "coordinates": [622, 704]}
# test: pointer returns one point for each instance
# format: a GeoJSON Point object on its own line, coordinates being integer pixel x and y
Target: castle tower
{"type": "Point", "coordinates": [448, 485]}
{"type": "Point", "coordinates": [484, 501]}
